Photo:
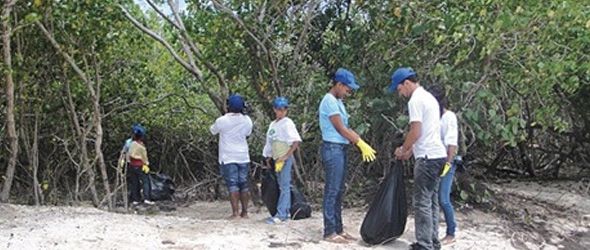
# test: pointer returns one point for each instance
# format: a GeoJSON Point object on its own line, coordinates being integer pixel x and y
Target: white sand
{"type": "Point", "coordinates": [199, 226]}
{"type": "Point", "coordinates": [203, 225]}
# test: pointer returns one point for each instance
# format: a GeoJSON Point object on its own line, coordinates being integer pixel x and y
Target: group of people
{"type": "Point", "coordinates": [432, 140]}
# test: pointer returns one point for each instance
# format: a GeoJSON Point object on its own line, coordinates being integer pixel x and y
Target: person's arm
{"type": "Point", "coordinates": [405, 151]}
{"type": "Point", "coordinates": [250, 125]}
{"type": "Point", "coordinates": [347, 133]}
{"type": "Point", "coordinates": [146, 161]}
{"type": "Point", "coordinates": [451, 152]}
{"type": "Point", "coordinates": [290, 152]}
{"type": "Point", "coordinates": [267, 152]}
{"type": "Point", "coordinates": [214, 129]}
{"type": "Point", "coordinates": [367, 152]}
{"type": "Point", "coordinates": [292, 137]}
{"type": "Point", "coordinates": [451, 135]}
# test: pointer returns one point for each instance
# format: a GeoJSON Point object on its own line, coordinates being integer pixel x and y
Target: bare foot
{"type": "Point", "coordinates": [347, 236]}
{"type": "Point", "coordinates": [335, 238]}
{"type": "Point", "coordinates": [244, 215]}
{"type": "Point", "coordinates": [233, 217]}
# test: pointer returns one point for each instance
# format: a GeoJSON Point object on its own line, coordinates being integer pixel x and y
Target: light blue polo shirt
{"type": "Point", "coordinates": [330, 106]}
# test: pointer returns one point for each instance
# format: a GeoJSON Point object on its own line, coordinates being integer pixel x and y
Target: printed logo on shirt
{"type": "Point", "coordinates": [272, 134]}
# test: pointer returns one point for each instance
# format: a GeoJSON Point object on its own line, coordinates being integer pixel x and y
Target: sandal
{"type": "Point", "coordinates": [347, 236]}
{"type": "Point", "coordinates": [447, 240]}
{"type": "Point", "coordinates": [335, 238]}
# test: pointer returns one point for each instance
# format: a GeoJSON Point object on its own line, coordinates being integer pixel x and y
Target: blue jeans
{"type": "Point", "coordinates": [426, 182]}
{"type": "Point", "coordinates": [284, 180]}
{"type": "Point", "coordinates": [444, 196]}
{"type": "Point", "coordinates": [235, 176]}
{"type": "Point", "coordinates": [334, 160]}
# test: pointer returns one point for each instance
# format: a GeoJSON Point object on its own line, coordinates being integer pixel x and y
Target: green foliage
{"type": "Point", "coordinates": [517, 75]}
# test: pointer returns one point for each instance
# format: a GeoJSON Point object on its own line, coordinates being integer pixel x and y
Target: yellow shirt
{"type": "Point", "coordinates": [137, 151]}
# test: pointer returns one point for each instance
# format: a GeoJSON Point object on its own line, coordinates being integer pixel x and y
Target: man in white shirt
{"type": "Point", "coordinates": [234, 159]}
{"type": "Point", "coordinates": [424, 142]}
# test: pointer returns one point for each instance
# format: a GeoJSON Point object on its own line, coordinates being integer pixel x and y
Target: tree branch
{"type": "Point", "coordinates": [194, 71]}
{"type": "Point", "coordinates": [269, 57]}
{"type": "Point", "coordinates": [186, 39]}
{"type": "Point", "coordinates": [162, 14]}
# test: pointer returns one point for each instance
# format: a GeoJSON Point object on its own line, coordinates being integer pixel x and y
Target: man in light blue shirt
{"type": "Point", "coordinates": [336, 135]}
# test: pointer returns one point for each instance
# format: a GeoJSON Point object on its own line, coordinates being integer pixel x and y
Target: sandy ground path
{"type": "Point", "coordinates": [543, 216]}
{"type": "Point", "coordinates": [203, 225]}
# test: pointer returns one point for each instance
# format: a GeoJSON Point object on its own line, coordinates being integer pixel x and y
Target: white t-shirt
{"type": "Point", "coordinates": [233, 128]}
{"type": "Point", "coordinates": [424, 108]}
{"type": "Point", "coordinates": [449, 129]}
{"type": "Point", "coordinates": [283, 130]}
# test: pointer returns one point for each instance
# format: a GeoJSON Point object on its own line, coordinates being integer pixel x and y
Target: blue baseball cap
{"type": "Point", "coordinates": [399, 76]}
{"type": "Point", "coordinates": [235, 103]}
{"type": "Point", "coordinates": [138, 129]}
{"type": "Point", "coordinates": [345, 77]}
{"type": "Point", "coordinates": [280, 102]}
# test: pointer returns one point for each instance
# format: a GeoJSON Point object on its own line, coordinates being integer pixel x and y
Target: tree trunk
{"type": "Point", "coordinates": [10, 123]}
{"type": "Point", "coordinates": [95, 97]}
{"type": "Point", "coordinates": [39, 199]}
{"type": "Point", "coordinates": [83, 134]}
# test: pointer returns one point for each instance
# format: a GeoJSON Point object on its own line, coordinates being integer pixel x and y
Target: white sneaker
{"type": "Point", "coordinates": [149, 202]}
{"type": "Point", "coordinates": [275, 220]}
{"type": "Point", "coordinates": [135, 203]}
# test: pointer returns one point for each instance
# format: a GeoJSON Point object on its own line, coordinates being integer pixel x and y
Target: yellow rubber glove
{"type": "Point", "coordinates": [367, 151]}
{"type": "Point", "coordinates": [445, 169]}
{"type": "Point", "coordinates": [279, 166]}
{"type": "Point", "coordinates": [145, 169]}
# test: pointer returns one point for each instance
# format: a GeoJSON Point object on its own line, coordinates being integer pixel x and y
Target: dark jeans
{"type": "Point", "coordinates": [334, 160]}
{"type": "Point", "coordinates": [134, 177]}
{"type": "Point", "coordinates": [426, 183]}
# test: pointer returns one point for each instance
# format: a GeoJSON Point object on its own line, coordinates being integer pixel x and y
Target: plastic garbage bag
{"type": "Point", "coordinates": [300, 208]}
{"type": "Point", "coordinates": [162, 187]}
{"type": "Point", "coordinates": [386, 219]}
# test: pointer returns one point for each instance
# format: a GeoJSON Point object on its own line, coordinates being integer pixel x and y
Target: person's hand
{"type": "Point", "coordinates": [367, 151]}
{"type": "Point", "coordinates": [283, 158]}
{"type": "Point", "coordinates": [400, 154]}
{"type": "Point", "coordinates": [445, 169]}
{"type": "Point", "coordinates": [279, 166]}
{"type": "Point", "coordinates": [145, 169]}
{"type": "Point", "coordinates": [267, 163]}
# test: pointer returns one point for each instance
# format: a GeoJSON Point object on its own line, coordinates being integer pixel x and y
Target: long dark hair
{"type": "Point", "coordinates": [438, 91]}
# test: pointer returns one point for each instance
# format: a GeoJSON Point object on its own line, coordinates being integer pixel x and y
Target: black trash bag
{"type": "Point", "coordinates": [162, 187]}
{"type": "Point", "coordinates": [386, 219]}
{"type": "Point", "coordinates": [300, 208]}
{"type": "Point", "coordinates": [270, 191]}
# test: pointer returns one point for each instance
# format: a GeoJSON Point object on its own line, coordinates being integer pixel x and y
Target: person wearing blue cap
{"type": "Point", "coordinates": [424, 142]}
{"type": "Point", "coordinates": [282, 139]}
{"type": "Point", "coordinates": [137, 166]}
{"type": "Point", "coordinates": [336, 135]}
{"type": "Point", "coordinates": [234, 159]}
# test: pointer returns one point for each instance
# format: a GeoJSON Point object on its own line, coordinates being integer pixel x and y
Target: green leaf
{"type": "Point", "coordinates": [32, 17]}
{"type": "Point", "coordinates": [464, 195]}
